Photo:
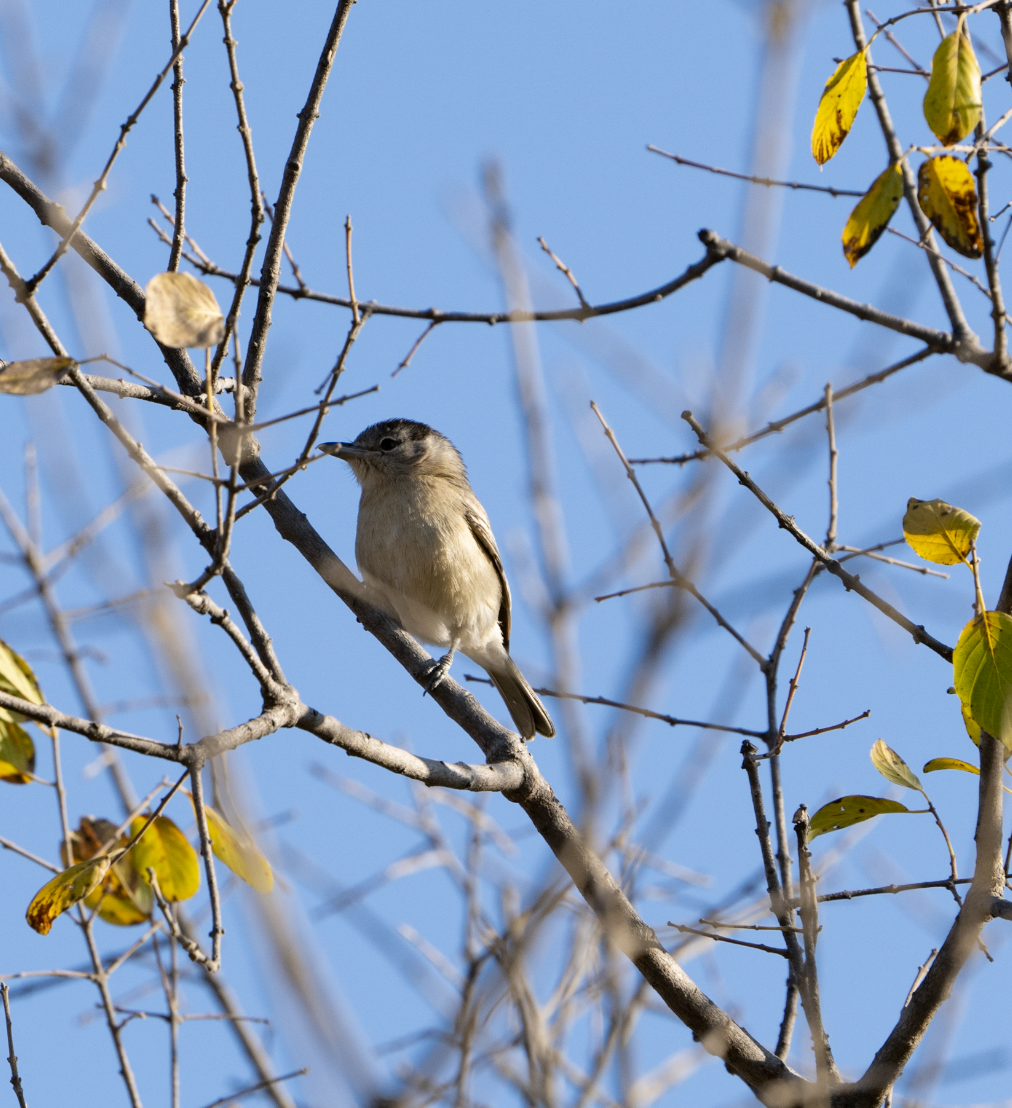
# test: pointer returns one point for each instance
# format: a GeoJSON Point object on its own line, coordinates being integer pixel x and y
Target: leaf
{"type": "Point", "coordinates": [164, 848]}
{"type": "Point", "coordinates": [982, 669]}
{"type": "Point", "coordinates": [939, 532]}
{"type": "Point", "coordinates": [952, 103]}
{"type": "Point", "coordinates": [17, 753]}
{"type": "Point", "coordinates": [63, 892]}
{"type": "Point", "coordinates": [972, 729]}
{"type": "Point", "coordinates": [33, 376]}
{"type": "Point", "coordinates": [892, 767]}
{"type": "Point", "coordinates": [122, 898]}
{"type": "Point", "coordinates": [950, 763]}
{"type": "Point", "coordinates": [239, 853]}
{"type": "Point", "coordinates": [838, 106]}
{"type": "Point", "coordinates": [874, 210]}
{"type": "Point", "coordinates": [948, 197]}
{"type": "Point", "coordinates": [182, 311]}
{"type": "Point", "coordinates": [17, 679]}
{"type": "Point", "coordinates": [848, 810]}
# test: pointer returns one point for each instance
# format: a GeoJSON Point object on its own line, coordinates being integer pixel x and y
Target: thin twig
{"type": "Point", "coordinates": [670, 720]}
{"type": "Point", "coordinates": [767, 181]}
{"type": "Point", "coordinates": [414, 349]}
{"type": "Point", "coordinates": [726, 939]}
{"type": "Point", "coordinates": [777, 425]}
{"type": "Point", "coordinates": [351, 274]}
{"type": "Point", "coordinates": [834, 504]}
{"type": "Point", "coordinates": [257, 1088]}
{"type": "Point", "coordinates": [563, 268]}
{"type": "Point", "coordinates": [12, 1058]}
{"type": "Point", "coordinates": [849, 580]}
{"type": "Point", "coordinates": [212, 880]}
{"type": "Point", "coordinates": [177, 119]}
{"type": "Point", "coordinates": [680, 580]}
{"type": "Point", "coordinates": [100, 184]}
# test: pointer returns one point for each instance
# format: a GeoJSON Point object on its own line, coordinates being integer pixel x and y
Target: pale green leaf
{"type": "Point", "coordinates": [892, 767]}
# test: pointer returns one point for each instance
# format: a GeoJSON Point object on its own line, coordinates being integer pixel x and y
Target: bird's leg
{"type": "Point", "coordinates": [438, 670]}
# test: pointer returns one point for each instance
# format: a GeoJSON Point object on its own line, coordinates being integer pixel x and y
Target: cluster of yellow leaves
{"type": "Point", "coordinates": [946, 191]}
{"type": "Point", "coordinates": [110, 870]}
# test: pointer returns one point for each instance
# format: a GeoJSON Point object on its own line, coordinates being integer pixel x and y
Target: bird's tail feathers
{"type": "Point", "coordinates": [527, 711]}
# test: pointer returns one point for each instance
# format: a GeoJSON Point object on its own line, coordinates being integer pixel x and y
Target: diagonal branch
{"type": "Point", "coordinates": [851, 581]}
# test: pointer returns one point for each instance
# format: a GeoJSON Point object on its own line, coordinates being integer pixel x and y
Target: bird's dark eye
{"type": "Point", "coordinates": [388, 444]}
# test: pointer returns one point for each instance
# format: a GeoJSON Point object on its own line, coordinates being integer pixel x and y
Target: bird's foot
{"type": "Point", "coordinates": [437, 671]}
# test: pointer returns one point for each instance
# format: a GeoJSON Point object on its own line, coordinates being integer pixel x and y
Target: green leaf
{"type": "Point", "coordinates": [950, 763]}
{"type": "Point", "coordinates": [848, 810]}
{"type": "Point", "coordinates": [952, 104]}
{"type": "Point", "coordinates": [181, 311]}
{"type": "Point", "coordinates": [892, 767]}
{"type": "Point", "coordinates": [33, 376]}
{"type": "Point", "coordinates": [164, 848]}
{"type": "Point", "coordinates": [948, 197]}
{"type": "Point", "coordinates": [239, 853]}
{"type": "Point", "coordinates": [939, 532]}
{"type": "Point", "coordinates": [17, 754]}
{"type": "Point", "coordinates": [982, 670]}
{"type": "Point", "coordinates": [874, 210]}
{"type": "Point", "coordinates": [63, 892]}
{"type": "Point", "coordinates": [838, 106]}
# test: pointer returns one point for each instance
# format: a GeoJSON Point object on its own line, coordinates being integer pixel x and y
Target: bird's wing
{"type": "Point", "coordinates": [482, 531]}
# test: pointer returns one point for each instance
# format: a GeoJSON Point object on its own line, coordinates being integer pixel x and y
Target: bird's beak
{"type": "Point", "coordinates": [346, 450]}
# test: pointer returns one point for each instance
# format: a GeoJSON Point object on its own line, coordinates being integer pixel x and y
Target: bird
{"type": "Point", "coordinates": [427, 555]}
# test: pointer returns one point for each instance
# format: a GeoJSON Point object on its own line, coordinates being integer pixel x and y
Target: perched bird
{"type": "Point", "coordinates": [426, 552]}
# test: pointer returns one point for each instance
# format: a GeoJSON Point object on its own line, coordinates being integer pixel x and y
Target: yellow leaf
{"type": "Point", "coordinates": [33, 376]}
{"type": "Point", "coordinates": [952, 103]}
{"type": "Point", "coordinates": [950, 763]}
{"type": "Point", "coordinates": [63, 892]}
{"type": "Point", "coordinates": [982, 673]}
{"type": "Point", "coordinates": [848, 810]}
{"type": "Point", "coordinates": [948, 197]}
{"type": "Point", "coordinates": [17, 679]}
{"type": "Point", "coordinates": [892, 767]}
{"type": "Point", "coordinates": [182, 311]}
{"type": "Point", "coordinates": [238, 853]}
{"type": "Point", "coordinates": [838, 106]}
{"type": "Point", "coordinates": [873, 212]}
{"type": "Point", "coordinates": [17, 754]}
{"type": "Point", "coordinates": [972, 729]}
{"type": "Point", "coordinates": [164, 848]}
{"type": "Point", "coordinates": [955, 763]}
{"type": "Point", "coordinates": [122, 898]}
{"type": "Point", "coordinates": [939, 532]}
